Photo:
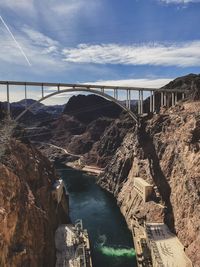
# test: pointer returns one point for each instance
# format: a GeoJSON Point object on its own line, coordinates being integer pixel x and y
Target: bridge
{"type": "Point", "coordinates": [156, 97]}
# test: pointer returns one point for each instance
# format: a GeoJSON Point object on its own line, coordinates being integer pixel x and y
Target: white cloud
{"type": "Point", "coordinates": [68, 8]}
{"type": "Point", "coordinates": [145, 82]}
{"type": "Point", "coordinates": [180, 1]}
{"type": "Point", "coordinates": [17, 4]}
{"type": "Point", "coordinates": [42, 51]}
{"type": "Point", "coordinates": [39, 38]}
{"type": "Point", "coordinates": [176, 54]}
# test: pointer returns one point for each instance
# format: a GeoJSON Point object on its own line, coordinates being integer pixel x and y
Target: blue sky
{"type": "Point", "coordinates": [129, 42]}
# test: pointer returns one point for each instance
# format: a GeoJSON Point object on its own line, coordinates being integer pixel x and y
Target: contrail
{"type": "Point", "coordinates": [13, 37]}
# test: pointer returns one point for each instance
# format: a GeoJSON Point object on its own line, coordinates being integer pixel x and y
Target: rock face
{"type": "Point", "coordinates": [89, 108]}
{"type": "Point", "coordinates": [189, 82]}
{"type": "Point", "coordinates": [29, 215]}
{"type": "Point", "coordinates": [165, 151]}
{"type": "Point", "coordinates": [89, 126]}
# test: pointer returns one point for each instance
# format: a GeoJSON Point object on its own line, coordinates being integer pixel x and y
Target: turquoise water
{"type": "Point", "coordinates": [110, 240]}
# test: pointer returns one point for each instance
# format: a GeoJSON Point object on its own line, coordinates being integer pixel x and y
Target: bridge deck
{"type": "Point", "coordinates": [92, 86]}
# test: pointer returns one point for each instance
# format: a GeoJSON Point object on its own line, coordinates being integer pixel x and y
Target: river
{"type": "Point", "coordinates": [110, 240]}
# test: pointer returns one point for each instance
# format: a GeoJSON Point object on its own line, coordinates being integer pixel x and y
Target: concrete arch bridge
{"type": "Point", "coordinates": [156, 97]}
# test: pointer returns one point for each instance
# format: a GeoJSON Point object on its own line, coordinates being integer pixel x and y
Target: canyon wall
{"type": "Point", "coordinates": [29, 215]}
{"type": "Point", "coordinates": [165, 151]}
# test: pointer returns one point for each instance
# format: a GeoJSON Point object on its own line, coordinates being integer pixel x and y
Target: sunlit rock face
{"type": "Point", "coordinates": [29, 215]}
{"type": "Point", "coordinates": [165, 151]}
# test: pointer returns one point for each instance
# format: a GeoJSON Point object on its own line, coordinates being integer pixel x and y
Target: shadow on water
{"type": "Point", "coordinates": [110, 240]}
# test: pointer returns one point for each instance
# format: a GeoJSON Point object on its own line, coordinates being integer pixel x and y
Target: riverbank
{"type": "Point", "coordinates": [60, 154]}
{"type": "Point", "coordinates": [77, 165]}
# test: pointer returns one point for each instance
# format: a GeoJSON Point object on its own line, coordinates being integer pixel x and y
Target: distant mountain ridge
{"type": "Point", "coordinates": [38, 107]}
{"type": "Point", "coordinates": [39, 112]}
{"type": "Point", "coordinates": [190, 82]}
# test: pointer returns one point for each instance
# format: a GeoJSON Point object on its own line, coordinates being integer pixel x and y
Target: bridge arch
{"type": "Point", "coordinates": [101, 94]}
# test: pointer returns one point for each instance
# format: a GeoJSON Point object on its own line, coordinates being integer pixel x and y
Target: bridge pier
{"type": "Point", "coordinates": [116, 94]}
{"type": "Point", "coordinates": [42, 90]}
{"type": "Point", "coordinates": [102, 90]}
{"type": "Point", "coordinates": [25, 95]}
{"type": "Point", "coordinates": [8, 100]}
{"type": "Point", "coordinates": [161, 99]}
{"type": "Point", "coordinates": [129, 98]}
{"type": "Point", "coordinates": [176, 98]}
{"type": "Point", "coordinates": [139, 102]}
{"type": "Point", "coordinates": [154, 102]}
{"type": "Point", "coordinates": [173, 98]}
{"type": "Point", "coordinates": [150, 103]}
{"type": "Point", "coordinates": [165, 99]}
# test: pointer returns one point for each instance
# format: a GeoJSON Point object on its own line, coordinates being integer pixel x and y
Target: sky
{"type": "Point", "coordinates": [129, 42]}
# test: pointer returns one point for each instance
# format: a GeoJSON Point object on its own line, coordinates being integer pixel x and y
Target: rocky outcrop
{"type": "Point", "coordinates": [190, 82]}
{"type": "Point", "coordinates": [29, 215]}
{"type": "Point", "coordinates": [90, 126]}
{"type": "Point", "coordinates": [87, 108]}
{"type": "Point", "coordinates": [165, 151]}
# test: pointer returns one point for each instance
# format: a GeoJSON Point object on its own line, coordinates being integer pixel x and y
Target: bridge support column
{"type": "Point", "coordinates": [139, 99]}
{"type": "Point", "coordinates": [8, 100]}
{"type": "Point", "coordinates": [176, 98]}
{"type": "Point", "coordinates": [141, 103]}
{"type": "Point", "coordinates": [42, 90]}
{"type": "Point", "coordinates": [115, 94]}
{"type": "Point", "coordinates": [150, 102]}
{"type": "Point", "coordinates": [161, 99]}
{"type": "Point", "coordinates": [129, 99]}
{"type": "Point", "coordinates": [25, 95]}
{"type": "Point", "coordinates": [165, 99]}
{"type": "Point", "coordinates": [172, 99]}
{"type": "Point", "coordinates": [153, 102]}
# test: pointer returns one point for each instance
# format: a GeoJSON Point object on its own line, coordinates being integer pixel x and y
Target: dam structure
{"type": "Point", "coordinates": [155, 244]}
{"type": "Point", "coordinates": [72, 246]}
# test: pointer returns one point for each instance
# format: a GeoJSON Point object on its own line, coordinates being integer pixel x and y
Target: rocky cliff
{"type": "Point", "coordinates": [89, 126]}
{"type": "Point", "coordinates": [165, 151]}
{"type": "Point", "coordinates": [29, 215]}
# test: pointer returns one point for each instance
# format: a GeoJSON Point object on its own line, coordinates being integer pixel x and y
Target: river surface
{"type": "Point", "coordinates": [110, 240]}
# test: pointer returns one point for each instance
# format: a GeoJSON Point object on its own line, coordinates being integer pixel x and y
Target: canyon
{"type": "Point", "coordinates": [163, 150]}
